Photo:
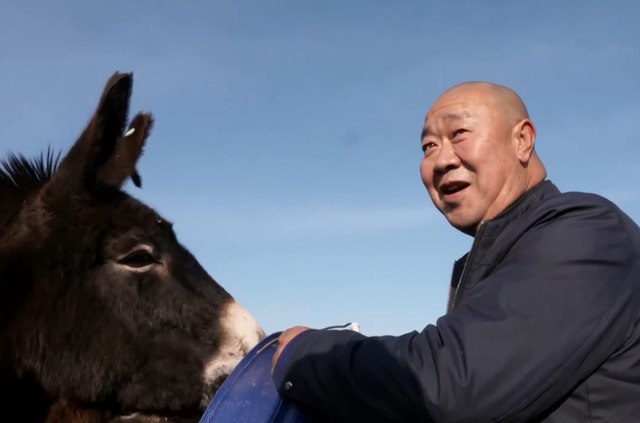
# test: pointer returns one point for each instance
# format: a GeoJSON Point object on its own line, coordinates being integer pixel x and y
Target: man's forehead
{"type": "Point", "coordinates": [443, 109]}
{"type": "Point", "coordinates": [445, 113]}
{"type": "Point", "coordinates": [448, 113]}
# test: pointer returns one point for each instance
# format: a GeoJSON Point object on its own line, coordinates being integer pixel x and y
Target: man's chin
{"type": "Point", "coordinates": [466, 226]}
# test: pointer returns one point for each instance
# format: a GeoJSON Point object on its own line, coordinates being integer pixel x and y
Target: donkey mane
{"type": "Point", "coordinates": [19, 174]}
{"type": "Point", "coordinates": [21, 178]}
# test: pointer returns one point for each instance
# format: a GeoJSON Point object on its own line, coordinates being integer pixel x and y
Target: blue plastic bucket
{"type": "Point", "coordinates": [249, 394]}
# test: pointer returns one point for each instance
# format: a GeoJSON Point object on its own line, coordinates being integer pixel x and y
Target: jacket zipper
{"type": "Point", "coordinates": [453, 272]}
{"type": "Point", "coordinates": [466, 264]}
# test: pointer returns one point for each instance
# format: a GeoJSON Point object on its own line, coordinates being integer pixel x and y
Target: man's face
{"type": "Point", "coordinates": [469, 157]}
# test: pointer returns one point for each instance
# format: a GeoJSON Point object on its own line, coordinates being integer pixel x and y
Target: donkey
{"type": "Point", "coordinates": [101, 308]}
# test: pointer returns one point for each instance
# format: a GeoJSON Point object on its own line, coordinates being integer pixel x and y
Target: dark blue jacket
{"type": "Point", "coordinates": [542, 327]}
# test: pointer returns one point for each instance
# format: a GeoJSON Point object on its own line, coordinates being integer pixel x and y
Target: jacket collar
{"type": "Point", "coordinates": [491, 229]}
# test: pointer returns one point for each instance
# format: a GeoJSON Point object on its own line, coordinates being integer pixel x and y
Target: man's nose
{"type": "Point", "coordinates": [446, 159]}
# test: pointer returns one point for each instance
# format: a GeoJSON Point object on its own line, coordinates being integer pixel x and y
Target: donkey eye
{"type": "Point", "coordinates": [139, 258]}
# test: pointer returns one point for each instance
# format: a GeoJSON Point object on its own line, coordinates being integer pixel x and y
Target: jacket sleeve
{"type": "Point", "coordinates": [558, 305]}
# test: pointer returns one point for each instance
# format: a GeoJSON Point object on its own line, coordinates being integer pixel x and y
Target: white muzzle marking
{"type": "Point", "coordinates": [242, 333]}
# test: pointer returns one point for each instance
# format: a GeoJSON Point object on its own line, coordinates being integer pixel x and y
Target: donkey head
{"type": "Point", "coordinates": [121, 314]}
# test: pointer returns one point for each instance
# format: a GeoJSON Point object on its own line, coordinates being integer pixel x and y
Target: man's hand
{"type": "Point", "coordinates": [284, 339]}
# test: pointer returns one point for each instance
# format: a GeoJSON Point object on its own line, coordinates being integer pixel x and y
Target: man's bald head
{"type": "Point", "coordinates": [502, 99]}
{"type": "Point", "coordinates": [478, 135]}
{"type": "Point", "coordinates": [503, 102]}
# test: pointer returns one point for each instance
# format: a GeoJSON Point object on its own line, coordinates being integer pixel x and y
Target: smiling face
{"type": "Point", "coordinates": [476, 153]}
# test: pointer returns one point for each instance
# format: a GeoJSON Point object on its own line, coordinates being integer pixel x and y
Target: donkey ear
{"type": "Point", "coordinates": [99, 156]}
{"type": "Point", "coordinates": [128, 150]}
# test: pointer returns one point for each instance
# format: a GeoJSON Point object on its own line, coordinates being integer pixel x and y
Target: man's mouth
{"type": "Point", "coordinates": [451, 188]}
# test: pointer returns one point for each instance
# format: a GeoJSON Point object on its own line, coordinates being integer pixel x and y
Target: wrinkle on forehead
{"type": "Point", "coordinates": [439, 105]}
{"type": "Point", "coordinates": [443, 117]}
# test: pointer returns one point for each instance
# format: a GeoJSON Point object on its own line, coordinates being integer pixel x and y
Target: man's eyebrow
{"type": "Point", "coordinates": [449, 116]}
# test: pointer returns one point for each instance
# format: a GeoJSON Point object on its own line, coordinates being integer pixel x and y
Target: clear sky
{"type": "Point", "coordinates": [287, 138]}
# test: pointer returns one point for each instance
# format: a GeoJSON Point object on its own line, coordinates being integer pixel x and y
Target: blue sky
{"type": "Point", "coordinates": [286, 146]}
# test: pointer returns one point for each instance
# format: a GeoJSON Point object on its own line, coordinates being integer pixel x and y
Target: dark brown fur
{"type": "Point", "coordinates": [83, 339]}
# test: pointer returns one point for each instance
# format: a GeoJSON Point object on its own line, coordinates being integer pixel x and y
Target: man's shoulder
{"type": "Point", "coordinates": [576, 204]}
{"type": "Point", "coordinates": [585, 213]}
{"type": "Point", "coordinates": [581, 199]}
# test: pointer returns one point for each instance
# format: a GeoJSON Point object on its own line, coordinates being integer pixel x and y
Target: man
{"type": "Point", "coordinates": [543, 315]}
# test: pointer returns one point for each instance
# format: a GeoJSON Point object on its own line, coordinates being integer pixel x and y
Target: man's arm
{"type": "Point", "coordinates": [557, 306]}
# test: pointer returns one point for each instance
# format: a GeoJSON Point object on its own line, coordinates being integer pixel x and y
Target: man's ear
{"type": "Point", "coordinates": [524, 137]}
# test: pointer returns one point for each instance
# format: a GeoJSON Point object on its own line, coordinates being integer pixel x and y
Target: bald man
{"type": "Point", "coordinates": [543, 315]}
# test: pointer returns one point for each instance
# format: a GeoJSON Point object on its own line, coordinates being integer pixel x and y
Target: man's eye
{"type": "Point", "coordinates": [458, 132]}
{"type": "Point", "coordinates": [427, 145]}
